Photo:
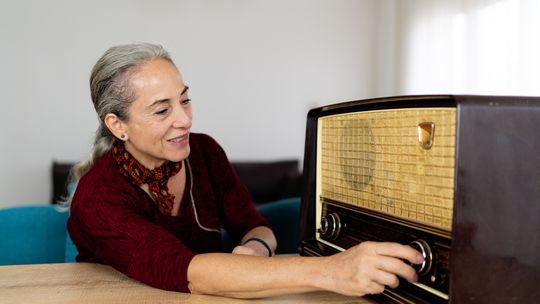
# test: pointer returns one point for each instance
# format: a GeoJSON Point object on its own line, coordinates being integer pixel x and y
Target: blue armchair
{"type": "Point", "coordinates": [33, 234]}
{"type": "Point", "coordinates": [284, 217]}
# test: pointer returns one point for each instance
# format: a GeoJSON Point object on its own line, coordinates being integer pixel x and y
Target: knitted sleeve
{"type": "Point", "coordinates": [107, 230]}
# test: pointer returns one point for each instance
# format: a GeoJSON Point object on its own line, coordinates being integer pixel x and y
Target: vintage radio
{"type": "Point", "coordinates": [456, 177]}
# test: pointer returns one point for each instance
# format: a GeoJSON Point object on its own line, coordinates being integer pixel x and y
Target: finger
{"type": "Point", "coordinates": [385, 278]}
{"type": "Point", "coordinates": [243, 250]}
{"type": "Point", "coordinates": [397, 267]}
{"type": "Point", "coordinates": [399, 251]}
{"type": "Point", "coordinates": [375, 288]}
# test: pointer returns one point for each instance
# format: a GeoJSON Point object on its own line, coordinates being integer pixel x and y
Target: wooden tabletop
{"type": "Point", "coordinates": [96, 283]}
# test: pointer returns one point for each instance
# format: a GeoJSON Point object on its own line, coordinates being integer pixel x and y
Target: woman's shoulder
{"type": "Point", "coordinates": [205, 145]}
{"type": "Point", "coordinates": [207, 153]}
{"type": "Point", "coordinates": [202, 139]}
{"type": "Point", "coordinates": [103, 169]}
{"type": "Point", "coordinates": [101, 180]}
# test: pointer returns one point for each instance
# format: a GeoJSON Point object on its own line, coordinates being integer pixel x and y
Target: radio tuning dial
{"type": "Point", "coordinates": [330, 226]}
{"type": "Point", "coordinates": [423, 247]}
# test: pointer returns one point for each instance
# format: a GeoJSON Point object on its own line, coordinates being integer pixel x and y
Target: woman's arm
{"type": "Point", "coordinates": [364, 269]}
{"type": "Point", "coordinates": [256, 248]}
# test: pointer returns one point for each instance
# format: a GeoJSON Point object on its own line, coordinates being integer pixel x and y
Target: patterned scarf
{"type": "Point", "coordinates": [139, 175]}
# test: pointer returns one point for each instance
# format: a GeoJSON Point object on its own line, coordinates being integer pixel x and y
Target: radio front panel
{"type": "Point", "coordinates": [376, 171]}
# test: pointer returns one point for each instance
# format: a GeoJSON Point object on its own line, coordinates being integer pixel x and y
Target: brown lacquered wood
{"type": "Point", "coordinates": [496, 237]}
{"type": "Point", "coordinates": [95, 283]}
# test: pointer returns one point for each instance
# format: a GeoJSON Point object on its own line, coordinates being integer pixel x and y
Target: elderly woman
{"type": "Point", "coordinates": [153, 196]}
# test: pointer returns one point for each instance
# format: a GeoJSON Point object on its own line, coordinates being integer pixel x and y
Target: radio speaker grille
{"type": "Point", "coordinates": [373, 160]}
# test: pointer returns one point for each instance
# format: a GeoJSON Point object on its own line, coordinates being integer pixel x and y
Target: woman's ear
{"type": "Point", "coordinates": [117, 127]}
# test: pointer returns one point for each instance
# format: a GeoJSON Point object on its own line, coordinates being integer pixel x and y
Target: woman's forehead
{"type": "Point", "coordinates": [162, 78]}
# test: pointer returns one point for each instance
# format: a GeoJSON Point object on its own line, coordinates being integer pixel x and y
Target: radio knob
{"type": "Point", "coordinates": [423, 247]}
{"type": "Point", "coordinates": [331, 226]}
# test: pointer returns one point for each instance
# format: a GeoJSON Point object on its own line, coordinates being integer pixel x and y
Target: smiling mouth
{"type": "Point", "coordinates": [179, 138]}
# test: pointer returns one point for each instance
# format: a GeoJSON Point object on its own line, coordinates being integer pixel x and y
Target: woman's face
{"type": "Point", "coordinates": [160, 117]}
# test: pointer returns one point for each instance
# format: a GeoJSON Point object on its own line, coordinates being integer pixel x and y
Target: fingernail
{"type": "Point", "coordinates": [419, 258]}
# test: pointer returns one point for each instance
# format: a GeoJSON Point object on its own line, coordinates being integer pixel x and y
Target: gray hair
{"type": "Point", "coordinates": [110, 92]}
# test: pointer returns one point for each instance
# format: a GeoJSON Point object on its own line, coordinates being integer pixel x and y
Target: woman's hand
{"type": "Point", "coordinates": [251, 248]}
{"type": "Point", "coordinates": [369, 267]}
{"type": "Point", "coordinates": [363, 269]}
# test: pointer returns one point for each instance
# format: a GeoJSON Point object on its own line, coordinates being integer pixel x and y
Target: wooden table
{"type": "Point", "coordinates": [96, 283]}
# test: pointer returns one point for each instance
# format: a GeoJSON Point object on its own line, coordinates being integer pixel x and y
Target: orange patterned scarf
{"type": "Point", "coordinates": [156, 178]}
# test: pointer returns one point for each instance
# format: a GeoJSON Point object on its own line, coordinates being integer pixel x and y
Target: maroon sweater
{"type": "Point", "coordinates": [115, 222]}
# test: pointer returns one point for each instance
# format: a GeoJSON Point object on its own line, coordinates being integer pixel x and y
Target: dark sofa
{"type": "Point", "coordinates": [266, 181]}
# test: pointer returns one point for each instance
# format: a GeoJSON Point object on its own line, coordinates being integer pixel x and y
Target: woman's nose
{"type": "Point", "coordinates": [182, 118]}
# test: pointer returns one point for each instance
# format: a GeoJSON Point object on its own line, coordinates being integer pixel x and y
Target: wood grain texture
{"type": "Point", "coordinates": [96, 283]}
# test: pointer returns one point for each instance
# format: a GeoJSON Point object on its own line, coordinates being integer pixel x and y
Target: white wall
{"type": "Point", "coordinates": [486, 47]}
{"type": "Point", "coordinates": [254, 67]}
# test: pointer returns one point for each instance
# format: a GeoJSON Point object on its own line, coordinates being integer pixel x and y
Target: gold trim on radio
{"type": "Point", "coordinates": [426, 134]}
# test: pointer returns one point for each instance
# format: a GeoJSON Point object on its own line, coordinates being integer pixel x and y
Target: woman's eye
{"type": "Point", "coordinates": [186, 101]}
{"type": "Point", "coordinates": [161, 112]}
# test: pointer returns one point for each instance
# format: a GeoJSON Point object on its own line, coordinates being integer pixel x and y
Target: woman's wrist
{"type": "Point", "coordinates": [261, 242]}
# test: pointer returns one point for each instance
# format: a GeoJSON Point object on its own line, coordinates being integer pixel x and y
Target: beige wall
{"type": "Point", "coordinates": [254, 68]}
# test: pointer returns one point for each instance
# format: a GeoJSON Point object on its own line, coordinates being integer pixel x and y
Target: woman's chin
{"type": "Point", "coordinates": [179, 156]}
